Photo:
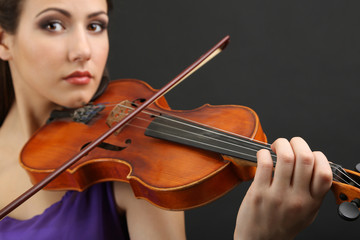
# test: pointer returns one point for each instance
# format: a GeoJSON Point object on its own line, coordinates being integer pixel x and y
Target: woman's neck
{"type": "Point", "coordinates": [32, 117]}
{"type": "Point", "coordinates": [32, 110]}
{"type": "Point", "coordinates": [22, 121]}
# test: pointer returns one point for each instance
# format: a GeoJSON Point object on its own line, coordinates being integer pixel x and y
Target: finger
{"type": "Point", "coordinates": [263, 175]}
{"type": "Point", "coordinates": [322, 177]}
{"type": "Point", "coordinates": [304, 164]}
{"type": "Point", "coordinates": [285, 163]}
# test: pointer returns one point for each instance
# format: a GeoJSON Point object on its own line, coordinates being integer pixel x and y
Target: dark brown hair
{"type": "Point", "coordinates": [9, 17]}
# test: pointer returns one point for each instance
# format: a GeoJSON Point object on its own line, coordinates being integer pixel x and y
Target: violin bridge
{"type": "Point", "coordinates": [119, 112]}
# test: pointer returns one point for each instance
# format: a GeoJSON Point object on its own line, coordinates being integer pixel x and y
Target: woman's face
{"type": "Point", "coordinates": [59, 50]}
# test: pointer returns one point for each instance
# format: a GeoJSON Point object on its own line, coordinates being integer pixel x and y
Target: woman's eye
{"type": "Point", "coordinates": [54, 26]}
{"type": "Point", "coordinates": [96, 27]}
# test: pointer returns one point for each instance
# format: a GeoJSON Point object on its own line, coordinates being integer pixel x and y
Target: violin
{"type": "Point", "coordinates": [167, 173]}
{"type": "Point", "coordinates": [175, 159]}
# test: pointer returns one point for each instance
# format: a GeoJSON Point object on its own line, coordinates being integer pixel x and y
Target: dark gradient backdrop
{"type": "Point", "coordinates": [296, 63]}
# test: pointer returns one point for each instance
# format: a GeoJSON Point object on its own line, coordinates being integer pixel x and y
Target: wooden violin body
{"type": "Point", "coordinates": [170, 175]}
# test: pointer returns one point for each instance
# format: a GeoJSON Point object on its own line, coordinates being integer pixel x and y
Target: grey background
{"type": "Point", "coordinates": [296, 63]}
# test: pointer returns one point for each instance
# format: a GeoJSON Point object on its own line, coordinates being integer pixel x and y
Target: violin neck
{"type": "Point", "coordinates": [241, 150]}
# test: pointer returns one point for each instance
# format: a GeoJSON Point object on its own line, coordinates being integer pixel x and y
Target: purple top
{"type": "Point", "coordinates": [86, 215]}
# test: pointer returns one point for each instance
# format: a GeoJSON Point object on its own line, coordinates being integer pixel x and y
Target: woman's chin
{"type": "Point", "coordinates": [77, 102]}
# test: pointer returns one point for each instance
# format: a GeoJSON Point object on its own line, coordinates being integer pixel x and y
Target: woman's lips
{"type": "Point", "coordinates": [79, 78]}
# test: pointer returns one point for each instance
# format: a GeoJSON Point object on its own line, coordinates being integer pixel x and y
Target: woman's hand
{"type": "Point", "coordinates": [280, 206]}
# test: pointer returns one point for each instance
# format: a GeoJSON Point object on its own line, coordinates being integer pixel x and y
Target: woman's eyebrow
{"type": "Point", "coordinates": [62, 11]}
{"type": "Point", "coordinates": [97, 13]}
{"type": "Point", "coordinates": [67, 14]}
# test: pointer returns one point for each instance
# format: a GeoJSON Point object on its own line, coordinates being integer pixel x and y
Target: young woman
{"type": "Point", "coordinates": [53, 55]}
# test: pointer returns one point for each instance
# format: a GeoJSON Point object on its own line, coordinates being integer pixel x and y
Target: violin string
{"type": "Point", "coordinates": [234, 136]}
{"type": "Point", "coordinates": [203, 143]}
{"type": "Point", "coordinates": [254, 156]}
{"type": "Point", "coordinates": [333, 168]}
{"type": "Point", "coordinates": [212, 138]}
{"type": "Point", "coordinates": [251, 140]}
{"type": "Point", "coordinates": [340, 179]}
{"type": "Point", "coordinates": [214, 132]}
{"type": "Point", "coordinates": [343, 172]}
{"type": "Point", "coordinates": [221, 133]}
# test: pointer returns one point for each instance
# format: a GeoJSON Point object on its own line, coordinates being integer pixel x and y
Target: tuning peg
{"type": "Point", "coordinates": [349, 210]}
{"type": "Point", "coordinates": [357, 167]}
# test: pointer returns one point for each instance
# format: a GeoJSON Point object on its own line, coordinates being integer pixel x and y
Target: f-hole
{"type": "Point", "coordinates": [109, 146]}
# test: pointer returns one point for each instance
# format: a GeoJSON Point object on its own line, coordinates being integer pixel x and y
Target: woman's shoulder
{"type": "Point", "coordinates": [123, 194]}
{"type": "Point", "coordinates": [144, 219]}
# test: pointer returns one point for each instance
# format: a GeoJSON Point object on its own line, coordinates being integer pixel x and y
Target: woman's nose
{"type": "Point", "coordinates": [79, 46]}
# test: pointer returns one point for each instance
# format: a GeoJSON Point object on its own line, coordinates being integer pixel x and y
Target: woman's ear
{"type": "Point", "coordinates": [4, 45]}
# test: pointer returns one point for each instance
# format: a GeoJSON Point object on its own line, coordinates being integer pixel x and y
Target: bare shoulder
{"type": "Point", "coordinates": [122, 194]}
{"type": "Point", "coordinates": [145, 221]}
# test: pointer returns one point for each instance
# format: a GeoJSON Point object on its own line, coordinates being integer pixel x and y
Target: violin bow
{"type": "Point", "coordinates": [215, 50]}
